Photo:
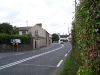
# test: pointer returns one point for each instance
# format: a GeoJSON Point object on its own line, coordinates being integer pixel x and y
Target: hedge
{"type": "Point", "coordinates": [85, 59]}
{"type": "Point", "coordinates": [87, 25]}
{"type": "Point", "coordinates": [5, 38]}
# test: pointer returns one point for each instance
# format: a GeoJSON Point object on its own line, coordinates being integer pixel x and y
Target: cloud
{"type": "Point", "coordinates": [52, 13]}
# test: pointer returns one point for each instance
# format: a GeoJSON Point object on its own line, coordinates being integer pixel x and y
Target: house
{"type": "Point", "coordinates": [40, 37]}
{"type": "Point", "coordinates": [63, 38]}
{"type": "Point", "coordinates": [23, 30]}
{"type": "Point", "coordinates": [70, 37]}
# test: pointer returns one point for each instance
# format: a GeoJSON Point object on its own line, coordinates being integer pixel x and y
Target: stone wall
{"type": "Point", "coordinates": [9, 48]}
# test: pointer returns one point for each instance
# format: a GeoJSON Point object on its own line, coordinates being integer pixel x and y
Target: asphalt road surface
{"type": "Point", "coordinates": [44, 61]}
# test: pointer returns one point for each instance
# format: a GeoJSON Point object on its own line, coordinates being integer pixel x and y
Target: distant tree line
{"type": "Point", "coordinates": [55, 37]}
{"type": "Point", "coordinates": [7, 28]}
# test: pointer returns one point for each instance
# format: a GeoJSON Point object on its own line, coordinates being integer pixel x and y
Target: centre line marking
{"type": "Point", "coordinates": [59, 63]}
{"type": "Point", "coordinates": [66, 54]}
{"type": "Point", "coordinates": [29, 58]}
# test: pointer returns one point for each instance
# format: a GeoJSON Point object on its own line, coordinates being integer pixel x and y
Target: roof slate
{"type": "Point", "coordinates": [24, 28]}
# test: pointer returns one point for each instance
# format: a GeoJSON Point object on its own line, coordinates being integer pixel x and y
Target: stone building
{"type": "Point", "coordinates": [40, 37]}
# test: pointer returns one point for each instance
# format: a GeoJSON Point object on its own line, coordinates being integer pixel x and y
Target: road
{"type": "Point", "coordinates": [44, 61]}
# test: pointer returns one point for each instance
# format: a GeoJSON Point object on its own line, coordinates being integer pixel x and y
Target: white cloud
{"type": "Point", "coordinates": [56, 15]}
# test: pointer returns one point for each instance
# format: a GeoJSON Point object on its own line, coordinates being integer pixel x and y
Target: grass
{"type": "Point", "coordinates": [71, 65]}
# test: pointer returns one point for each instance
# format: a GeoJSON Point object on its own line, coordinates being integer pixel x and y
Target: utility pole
{"type": "Point", "coordinates": [73, 28]}
{"type": "Point", "coordinates": [75, 8]}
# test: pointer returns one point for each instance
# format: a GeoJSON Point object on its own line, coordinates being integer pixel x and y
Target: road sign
{"type": "Point", "coordinates": [15, 40]}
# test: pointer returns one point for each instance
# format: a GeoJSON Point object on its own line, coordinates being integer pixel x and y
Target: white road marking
{"type": "Point", "coordinates": [69, 51]}
{"type": "Point", "coordinates": [66, 54]}
{"type": "Point", "coordinates": [26, 59]}
{"type": "Point", "coordinates": [19, 54]}
{"type": "Point", "coordinates": [59, 63]}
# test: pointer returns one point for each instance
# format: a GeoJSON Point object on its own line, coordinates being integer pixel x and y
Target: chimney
{"type": "Point", "coordinates": [39, 24]}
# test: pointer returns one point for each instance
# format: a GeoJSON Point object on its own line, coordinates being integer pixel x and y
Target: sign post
{"type": "Point", "coordinates": [15, 43]}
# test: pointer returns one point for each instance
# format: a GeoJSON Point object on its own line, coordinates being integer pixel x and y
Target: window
{"type": "Point", "coordinates": [23, 32]}
{"type": "Point", "coordinates": [36, 32]}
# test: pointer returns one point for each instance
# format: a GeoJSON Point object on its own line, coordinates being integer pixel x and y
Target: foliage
{"type": "Point", "coordinates": [15, 30]}
{"type": "Point", "coordinates": [85, 40]}
{"type": "Point", "coordinates": [5, 38]}
{"type": "Point", "coordinates": [55, 37]}
{"type": "Point", "coordinates": [87, 24]}
{"type": "Point", "coordinates": [6, 28]}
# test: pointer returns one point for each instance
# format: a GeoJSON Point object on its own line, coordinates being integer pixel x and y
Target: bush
{"type": "Point", "coordinates": [3, 38]}
{"type": "Point", "coordinates": [87, 22]}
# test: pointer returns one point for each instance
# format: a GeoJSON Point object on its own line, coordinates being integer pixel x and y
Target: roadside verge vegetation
{"type": "Point", "coordinates": [85, 56]}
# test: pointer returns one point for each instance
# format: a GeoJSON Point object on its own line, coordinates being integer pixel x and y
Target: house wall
{"type": "Point", "coordinates": [40, 40]}
{"type": "Point", "coordinates": [20, 32]}
{"type": "Point", "coordinates": [38, 43]}
{"type": "Point", "coordinates": [47, 38]}
{"type": "Point", "coordinates": [41, 31]}
{"type": "Point", "coordinates": [10, 48]}
{"type": "Point", "coordinates": [41, 43]}
{"type": "Point", "coordinates": [50, 40]}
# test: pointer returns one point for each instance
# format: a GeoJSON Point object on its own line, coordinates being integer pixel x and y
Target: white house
{"type": "Point", "coordinates": [63, 38]}
{"type": "Point", "coordinates": [23, 30]}
{"type": "Point", "coordinates": [70, 37]}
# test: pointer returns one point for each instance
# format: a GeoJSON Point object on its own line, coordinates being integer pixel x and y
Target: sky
{"type": "Point", "coordinates": [56, 16]}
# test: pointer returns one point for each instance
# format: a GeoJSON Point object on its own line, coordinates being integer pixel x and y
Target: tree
{"type": "Point", "coordinates": [55, 37]}
{"type": "Point", "coordinates": [6, 28]}
{"type": "Point", "coordinates": [15, 30]}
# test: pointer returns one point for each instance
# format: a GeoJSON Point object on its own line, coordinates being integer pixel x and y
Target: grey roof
{"type": "Point", "coordinates": [63, 36]}
{"type": "Point", "coordinates": [24, 28]}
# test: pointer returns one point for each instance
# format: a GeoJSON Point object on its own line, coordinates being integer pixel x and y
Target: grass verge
{"type": "Point", "coordinates": [70, 65]}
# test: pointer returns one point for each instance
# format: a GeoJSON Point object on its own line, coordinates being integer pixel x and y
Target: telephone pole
{"type": "Point", "coordinates": [75, 8]}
